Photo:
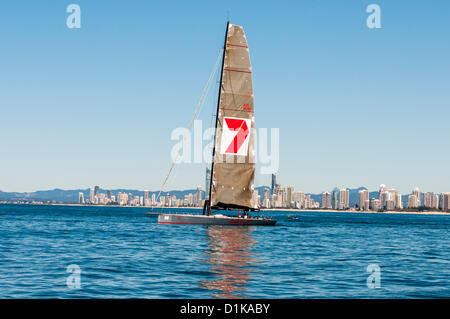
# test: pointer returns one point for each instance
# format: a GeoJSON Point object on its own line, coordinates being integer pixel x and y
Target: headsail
{"type": "Point", "coordinates": [233, 167]}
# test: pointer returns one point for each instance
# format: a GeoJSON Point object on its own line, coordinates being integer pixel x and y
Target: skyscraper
{"type": "Point", "coordinates": [436, 201]}
{"type": "Point", "coordinates": [363, 196]}
{"type": "Point", "coordinates": [109, 194]}
{"type": "Point", "coordinates": [335, 198]}
{"type": "Point", "coordinates": [255, 198]}
{"type": "Point", "coordinates": [289, 195]}
{"type": "Point", "coordinates": [375, 204]}
{"type": "Point", "coordinates": [92, 196]}
{"type": "Point", "coordinates": [199, 196]}
{"type": "Point", "coordinates": [395, 197]}
{"type": "Point", "coordinates": [385, 197]}
{"type": "Point", "coordinates": [430, 200]}
{"type": "Point", "coordinates": [412, 201]}
{"type": "Point", "coordinates": [326, 200]}
{"type": "Point", "coordinates": [146, 200]}
{"type": "Point", "coordinates": [382, 197]}
{"type": "Point", "coordinates": [398, 201]}
{"type": "Point", "coordinates": [274, 183]}
{"type": "Point", "coordinates": [344, 199]}
{"type": "Point", "coordinates": [80, 198]}
{"type": "Point", "coordinates": [418, 194]}
{"type": "Point", "coordinates": [96, 190]}
{"type": "Point", "coordinates": [266, 199]}
{"type": "Point", "coordinates": [445, 201]}
{"type": "Point", "coordinates": [299, 199]}
{"type": "Point", "coordinates": [168, 201]}
{"type": "Point", "coordinates": [207, 182]}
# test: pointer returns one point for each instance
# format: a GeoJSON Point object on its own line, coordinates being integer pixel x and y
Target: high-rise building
{"type": "Point", "coordinates": [307, 204]}
{"type": "Point", "coordinates": [207, 182]}
{"type": "Point", "coordinates": [363, 196]}
{"type": "Point", "coordinates": [390, 204]}
{"type": "Point", "coordinates": [418, 194]}
{"type": "Point", "coordinates": [122, 198]}
{"type": "Point", "coordinates": [266, 198]}
{"type": "Point", "coordinates": [109, 194]}
{"type": "Point", "coordinates": [382, 197]}
{"type": "Point", "coordinates": [146, 200]}
{"type": "Point", "coordinates": [198, 196]}
{"type": "Point", "coordinates": [255, 198]}
{"type": "Point", "coordinates": [92, 196]}
{"type": "Point", "coordinates": [385, 196]}
{"type": "Point", "coordinates": [344, 202]}
{"type": "Point", "coordinates": [430, 200]}
{"type": "Point", "coordinates": [80, 198]}
{"type": "Point", "coordinates": [445, 201]}
{"type": "Point", "coordinates": [326, 200]}
{"type": "Point", "coordinates": [412, 201]}
{"type": "Point", "coordinates": [266, 193]}
{"type": "Point", "coordinates": [101, 199]}
{"type": "Point", "coordinates": [398, 201]}
{"type": "Point", "coordinates": [335, 198]}
{"type": "Point", "coordinates": [274, 183]}
{"type": "Point", "coordinates": [366, 205]}
{"type": "Point", "coordinates": [375, 204]}
{"type": "Point", "coordinates": [96, 190]}
{"type": "Point", "coordinates": [281, 196]}
{"type": "Point", "coordinates": [168, 201]}
{"type": "Point", "coordinates": [289, 196]}
{"type": "Point", "coordinates": [130, 199]}
{"type": "Point", "coordinates": [298, 198]}
{"type": "Point", "coordinates": [394, 196]}
{"type": "Point", "coordinates": [436, 201]}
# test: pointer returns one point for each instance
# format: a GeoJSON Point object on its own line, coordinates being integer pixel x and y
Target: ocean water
{"type": "Point", "coordinates": [123, 253]}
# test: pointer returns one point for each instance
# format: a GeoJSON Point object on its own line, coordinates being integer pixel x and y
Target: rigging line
{"type": "Point", "coordinates": [197, 108]}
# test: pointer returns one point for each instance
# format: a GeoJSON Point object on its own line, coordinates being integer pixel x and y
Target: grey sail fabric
{"type": "Point", "coordinates": [234, 158]}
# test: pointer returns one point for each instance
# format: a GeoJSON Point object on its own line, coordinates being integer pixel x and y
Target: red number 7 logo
{"type": "Point", "coordinates": [241, 127]}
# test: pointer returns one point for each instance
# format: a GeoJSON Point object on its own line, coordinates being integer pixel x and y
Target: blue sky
{"type": "Point", "coordinates": [96, 105]}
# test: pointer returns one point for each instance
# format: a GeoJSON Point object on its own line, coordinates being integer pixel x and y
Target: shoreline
{"type": "Point", "coordinates": [360, 211]}
{"type": "Point", "coordinates": [263, 210]}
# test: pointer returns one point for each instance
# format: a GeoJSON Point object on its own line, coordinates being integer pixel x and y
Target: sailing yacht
{"type": "Point", "coordinates": [233, 157]}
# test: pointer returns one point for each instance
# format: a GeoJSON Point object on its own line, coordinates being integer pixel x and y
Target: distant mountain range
{"type": "Point", "coordinates": [71, 196]}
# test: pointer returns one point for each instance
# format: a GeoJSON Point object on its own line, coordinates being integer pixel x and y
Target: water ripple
{"type": "Point", "coordinates": [123, 253]}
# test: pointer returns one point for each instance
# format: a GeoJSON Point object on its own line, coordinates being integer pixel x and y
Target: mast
{"type": "Point", "coordinates": [217, 118]}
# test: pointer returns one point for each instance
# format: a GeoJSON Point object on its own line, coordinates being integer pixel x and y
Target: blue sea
{"type": "Point", "coordinates": [123, 253]}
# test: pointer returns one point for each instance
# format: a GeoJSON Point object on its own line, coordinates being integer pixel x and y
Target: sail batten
{"type": "Point", "coordinates": [234, 157]}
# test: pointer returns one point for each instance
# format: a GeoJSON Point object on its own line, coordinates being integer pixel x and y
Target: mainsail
{"type": "Point", "coordinates": [233, 166]}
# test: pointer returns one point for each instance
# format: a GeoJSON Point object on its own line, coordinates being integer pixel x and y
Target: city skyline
{"type": "Point", "coordinates": [273, 196]}
{"type": "Point", "coordinates": [355, 106]}
{"type": "Point", "coordinates": [281, 197]}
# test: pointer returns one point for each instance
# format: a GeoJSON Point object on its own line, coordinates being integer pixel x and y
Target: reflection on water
{"type": "Point", "coordinates": [231, 259]}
